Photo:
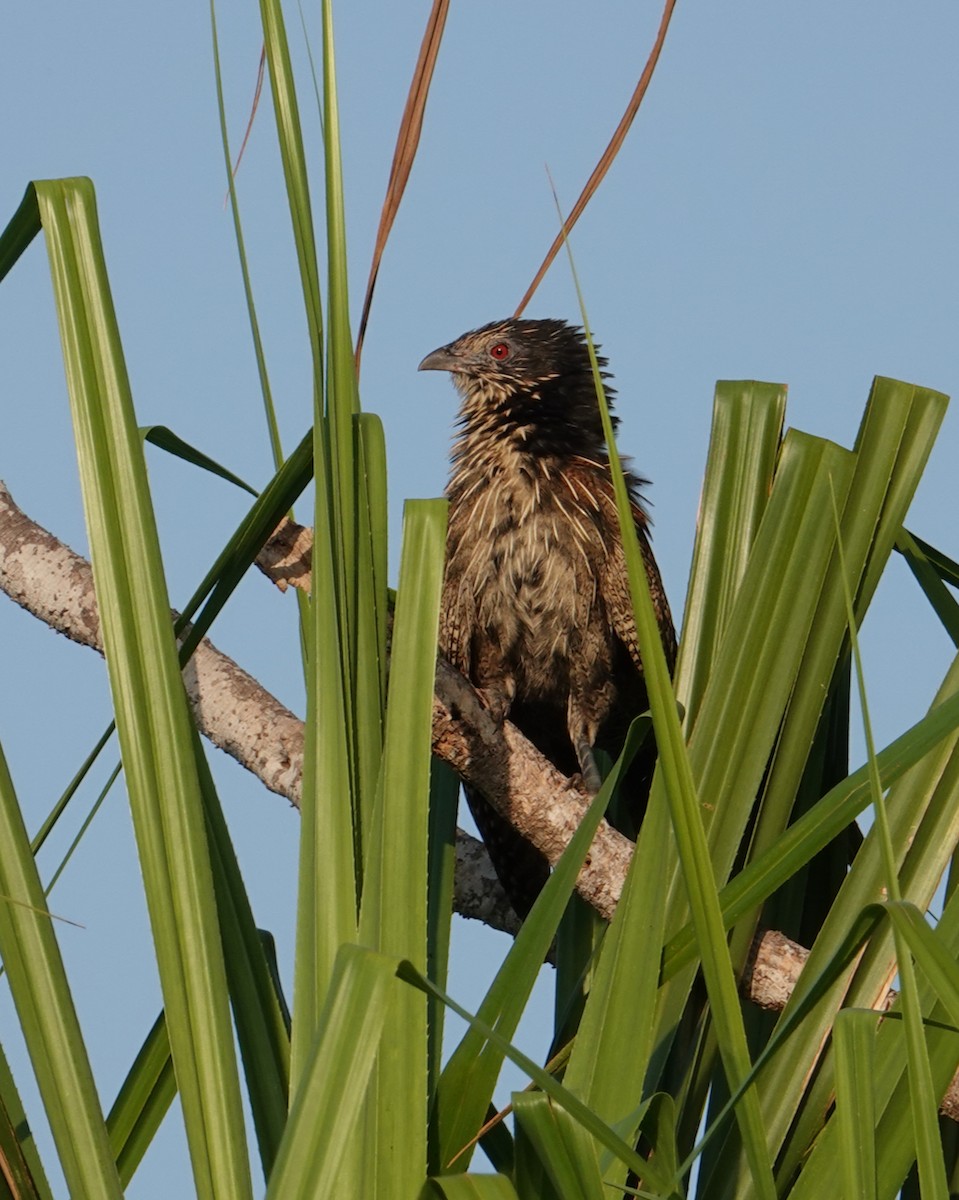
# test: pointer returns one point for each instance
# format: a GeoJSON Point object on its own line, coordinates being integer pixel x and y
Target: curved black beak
{"type": "Point", "coordinates": [440, 360]}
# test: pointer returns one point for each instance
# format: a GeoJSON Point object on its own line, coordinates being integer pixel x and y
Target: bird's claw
{"type": "Point", "coordinates": [590, 771]}
{"type": "Point", "coordinates": [496, 702]}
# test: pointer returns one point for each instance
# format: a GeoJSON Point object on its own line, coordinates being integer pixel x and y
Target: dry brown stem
{"type": "Point", "coordinates": [606, 158]}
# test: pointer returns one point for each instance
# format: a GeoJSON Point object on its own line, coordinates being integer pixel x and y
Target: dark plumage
{"type": "Point", "coordinates": [536, 606]}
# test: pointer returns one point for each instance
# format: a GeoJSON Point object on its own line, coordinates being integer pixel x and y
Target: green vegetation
{"type": "Point", "coordinates": [670, 1076]}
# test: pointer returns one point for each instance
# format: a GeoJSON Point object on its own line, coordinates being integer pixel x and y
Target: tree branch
{"type": "Point", "coordinates": [232, 710]}
{"type": "Point", "coordinates": [242, 718]}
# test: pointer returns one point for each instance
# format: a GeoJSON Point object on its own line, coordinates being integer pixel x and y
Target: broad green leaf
{"type": "Point", "coordinates": [854, 1037]}
{"type": "Point", "coordinates": [41, 993]}
{"type": "Point", "coordinates": [335, 1076]}
{"type": "Point", "coordinates": [393, 915]}
{"type": "Point", "coordinates": [621, 1007]}
{"type": "Point", "coordinates": [924, 818]}
{"type": "Point", "coordinates": [341, 394]}
{"type": "Point", "coordinates": [563, 1147]}
{"type": "Point", "coordinates": [815, 989]}
{"type": "Point", "coordinates": [659, 1130]}
{"type": "Point", "coordinates": [895, 438]}
{"type": "Point", "coordinates": [475, 1187]}
{"type": "Point", "coordinates": [675, 775]}
{"type": "Point", "coordinates": [887, 462]}
{"type": "Point", "coordinates": [259, 1011]}
{"type": "Point", "coordinates": [932, 956]}
{"type": "Point", "coordinates": [330, 839]}
{"type": "Point", "coordinates": [896, 1148]}
{"type": "Point", "coordinates": [25, 1178]}
{"type": "Point", "coordinates": [21, 229]}
{"type": "Point", "coordinates": [347, 622]}
{"type": "Point", "coordinates": [530, 1176]}
{"type": "Point", "coordinates": [752, 681]}
{"type": "Point", "coordinates": [755, 669]}
{"type": "Point", "coordinates": [743, 447]}
{"type": "Point", "coordinates": [922, 1092]}
{"type": "Point", "coordinates": [444, 793]}
{"type": "Point", "coordinates": [817, 827]}
{"type": "Point", "coordinates": [766, 637]}
{"type": "Point", "coordinates": [372, 567]}
{"type": "Point", "coordinates": [152, 715]}
{"type": "Point", "coordinates": [929, 1159]}
{"type": "Point", "coordinates": [946, 567]}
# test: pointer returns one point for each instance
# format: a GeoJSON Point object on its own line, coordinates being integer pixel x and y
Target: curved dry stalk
{"type": "Point", "coordinates": [606, 159]}
{"type": "Point", "coordinates": [258, 91]}
{"type": "Point", "coordinates": [407, 142]}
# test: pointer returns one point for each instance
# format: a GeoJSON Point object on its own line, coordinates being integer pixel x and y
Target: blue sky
{"type": "Point", "coordinates": [784, 209]}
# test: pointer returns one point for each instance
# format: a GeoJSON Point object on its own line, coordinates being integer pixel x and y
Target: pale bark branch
{"type": "Point", "coordinates": [242, 718]}
{"type": "Point", "coordinates": [234, 711]}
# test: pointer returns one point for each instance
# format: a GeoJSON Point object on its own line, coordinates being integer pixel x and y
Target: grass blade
{"type": "Point", "coordinates": [293, 156]}
{"type": "Point", "coordinates": [259, 353]}
{"type": "Point", "coordinates": [143, 1101]}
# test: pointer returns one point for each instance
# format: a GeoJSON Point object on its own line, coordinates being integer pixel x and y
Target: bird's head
{"type": "Point", "coordinates": [531, 380]}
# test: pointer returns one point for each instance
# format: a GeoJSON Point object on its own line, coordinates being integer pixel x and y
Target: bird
{"type": "Point", "coordinates": [536, 610]}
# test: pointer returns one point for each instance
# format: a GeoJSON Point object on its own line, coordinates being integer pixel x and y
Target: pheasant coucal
{"type": "Point", "coordinates": [536, 606]}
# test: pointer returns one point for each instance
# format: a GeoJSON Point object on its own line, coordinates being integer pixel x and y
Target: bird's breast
{"type": "Point", "coordinates": [522, 567]}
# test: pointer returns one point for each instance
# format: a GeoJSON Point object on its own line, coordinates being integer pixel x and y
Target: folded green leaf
{"type": "Point", "coordinates": [166, 439]}
{"type": "Point", "coordinates": [562, 1146]}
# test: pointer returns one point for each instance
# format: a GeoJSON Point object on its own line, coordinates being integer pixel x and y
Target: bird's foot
{"type": "Point", "coordinates": [496, 701]}
{"type": "Point", "coordinates": [587, 765]}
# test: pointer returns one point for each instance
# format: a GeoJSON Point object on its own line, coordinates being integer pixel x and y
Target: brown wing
{"type": "Point", "coordinates": [457, 609]}
{"type": "Point", "coordinates": [520, 867]}
{"type": "Point", "coordinates": [613, 580]}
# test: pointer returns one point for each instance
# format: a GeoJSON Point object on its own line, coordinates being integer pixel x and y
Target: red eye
{"type": "Point", "coordinates": [500, 351]}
